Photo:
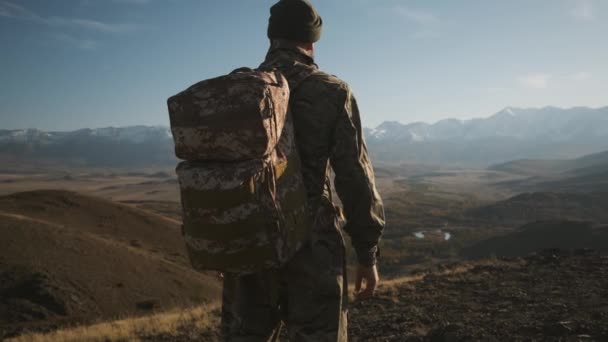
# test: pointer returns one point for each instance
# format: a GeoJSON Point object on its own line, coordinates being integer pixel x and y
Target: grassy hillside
{"type": "Point", "coordinates": [195, 324]}
{"type": "Point", "coordinates": [542, 235]}
{"type": "Point", "coordinates": [67, 258]}
{"type": "Point", "coordinates": [583, 180]}
{"type": "Point", "coordinates": [531, 167]}
{"type": "Point", "coordinates": [539, 206]}
{"type": "Point", "coordinates": [585, 174]}
{"type": "Point", "coordinates": [535, 167]}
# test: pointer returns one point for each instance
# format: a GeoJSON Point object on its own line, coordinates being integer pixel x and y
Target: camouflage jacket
{"type": "Point", "coordinates": [328, 133]}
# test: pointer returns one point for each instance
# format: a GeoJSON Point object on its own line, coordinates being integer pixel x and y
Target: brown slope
{"type": "Point", "coordinates": [70, 268]}
{"type": "Point", "coordinates": [101, 217]}
{"type": "Point", "coordinates": [585, 180]}
{"type": "Point", "coordinates": [541, 235]}
{"type": "Point", "coordinates": [544, 167]}
{"type": "Point", "coordinates": [541, 206]}
{"type": "Point", "coordinates": [532, 167]}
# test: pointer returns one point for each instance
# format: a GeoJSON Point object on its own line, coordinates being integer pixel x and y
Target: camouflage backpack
{"type": "Point", "coordinates": [242, 192]}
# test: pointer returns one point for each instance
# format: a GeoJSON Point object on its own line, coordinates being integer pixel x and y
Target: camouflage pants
{"type": "Point", "coordinates": [307, 295]}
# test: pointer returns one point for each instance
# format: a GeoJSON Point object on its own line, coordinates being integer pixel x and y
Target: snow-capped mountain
{"type": "Point", "coordinates": [132, 134]}
{"type": "Point", "coordinates": [547, 124]}
{"type": "Point", "coordinates": [510, 134]}
{"type": "Point", "coordinates": [111, 146]}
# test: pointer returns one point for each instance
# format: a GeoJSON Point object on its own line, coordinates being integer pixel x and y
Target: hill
{"type": "Point", "coordinates": [541, 235]}
{"type": "Point", "coordinates": [582, 180]}
{"type": "Point", "coordinates": [67, 258]}
{"type": "Point", "coordinates": [531, 167]}
{"type": "Point", "coordinates": [586, 174]}
{"type": "Point", "coordinates": [539, 206]}
{"type": "Point", "coordinates": [588, 164]}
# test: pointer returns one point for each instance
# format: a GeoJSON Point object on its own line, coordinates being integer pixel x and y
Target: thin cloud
{"type": "Point", "coordinates": [83, 44]}
{"type": "Point", "coordinates": [11, 10]}
{"type": "Point", "coordinates": [583, 10]}
{"type": "Point", "coordinates": [535, 81]}
{"type": "Point", "coordinates": [427, 22]}
{"type": "Point", "coordinates": [92, 25]}
{"type": "Point", "coordinates": [417, 16]}
{"type": "Point", "coordinates": [543, 80]}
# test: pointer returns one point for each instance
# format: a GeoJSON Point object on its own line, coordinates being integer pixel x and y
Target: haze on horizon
{"type": "Point", "coordinates": [91, 63]}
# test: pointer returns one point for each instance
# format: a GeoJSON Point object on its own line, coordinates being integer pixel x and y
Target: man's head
{"type": "Point", "coordinates": [295, 20]}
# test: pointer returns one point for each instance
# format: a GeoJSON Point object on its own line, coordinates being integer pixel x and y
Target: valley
{"type": "Point", "coordinates": [92, 244]}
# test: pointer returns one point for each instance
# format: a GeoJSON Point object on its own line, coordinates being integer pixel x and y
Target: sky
{"type": "Point", "coordinates": [69, 64]}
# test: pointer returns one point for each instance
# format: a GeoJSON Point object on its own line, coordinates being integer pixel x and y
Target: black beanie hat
{"type": "Point", "coordinates": [294, 20]}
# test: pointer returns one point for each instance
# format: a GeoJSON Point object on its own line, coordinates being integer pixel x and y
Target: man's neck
{"type": "Point", "coordinates": [282, 44]}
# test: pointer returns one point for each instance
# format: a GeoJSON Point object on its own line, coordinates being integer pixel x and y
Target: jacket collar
{"type": "Point", "coordinates": [284, 51]}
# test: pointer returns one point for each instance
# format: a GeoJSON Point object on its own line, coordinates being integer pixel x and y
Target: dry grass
{"type": "Point", "coordinates": [171, 325]}
{"type": "Point", "coordinates": [420, 276]}
{"type": "Point", "coordinates": [450, 270]}
{"type": "Point", "coordinates": [132, 329]}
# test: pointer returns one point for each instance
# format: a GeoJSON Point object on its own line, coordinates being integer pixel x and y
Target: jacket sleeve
{"type": "Point", "coordinates": [355, 184]}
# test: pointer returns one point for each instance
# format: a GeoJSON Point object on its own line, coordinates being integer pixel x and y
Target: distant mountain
{"type": "Point", "coordinates": [507, 135]}
{"type": "Point", "coordinates": [510, 134]}
{"type": "Point", "coordinates": [127, 146]}
{"type": "Point", "coordinates": [132, 134]}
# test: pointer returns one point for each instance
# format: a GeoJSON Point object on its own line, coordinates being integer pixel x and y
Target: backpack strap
{"type": "Point", "coordinates": [295, 73]}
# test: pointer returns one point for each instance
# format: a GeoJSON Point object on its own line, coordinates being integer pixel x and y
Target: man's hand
{"type": "Point", "coordinates": [370, 275]}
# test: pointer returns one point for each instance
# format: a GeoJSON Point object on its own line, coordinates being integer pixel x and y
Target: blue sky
{"type": "Point", "coordinates": [67, 64]}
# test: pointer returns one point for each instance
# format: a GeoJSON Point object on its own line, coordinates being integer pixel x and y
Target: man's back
{"type": "Point", "coordinates": [329, 133]}
{"type": "Point", "coordinates": [309, 293]}
{"type": "Point", "coordinates": [315, 109]}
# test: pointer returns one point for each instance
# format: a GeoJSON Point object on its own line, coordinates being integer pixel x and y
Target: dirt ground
{"type": "Point", "coordinates": [552, 296]}
{"type": "Point", "coordinates": [555, 295]}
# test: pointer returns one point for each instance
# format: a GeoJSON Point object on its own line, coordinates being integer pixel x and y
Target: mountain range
{"type": "Point", "coordinates": [510, 134]}
{"type": "Point", "coordinates": [543, 124]}
{"type": "Point", "coordinates": [125, 146]}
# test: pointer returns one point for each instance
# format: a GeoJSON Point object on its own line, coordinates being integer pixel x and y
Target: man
{"type": "Point", "coordinates": [309, 293]}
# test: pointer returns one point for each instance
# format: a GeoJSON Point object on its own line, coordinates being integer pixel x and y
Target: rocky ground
{"type": "Point", "coordinates": [551, 296]}
{"type": "Point", "coordinates": [554, 295]}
